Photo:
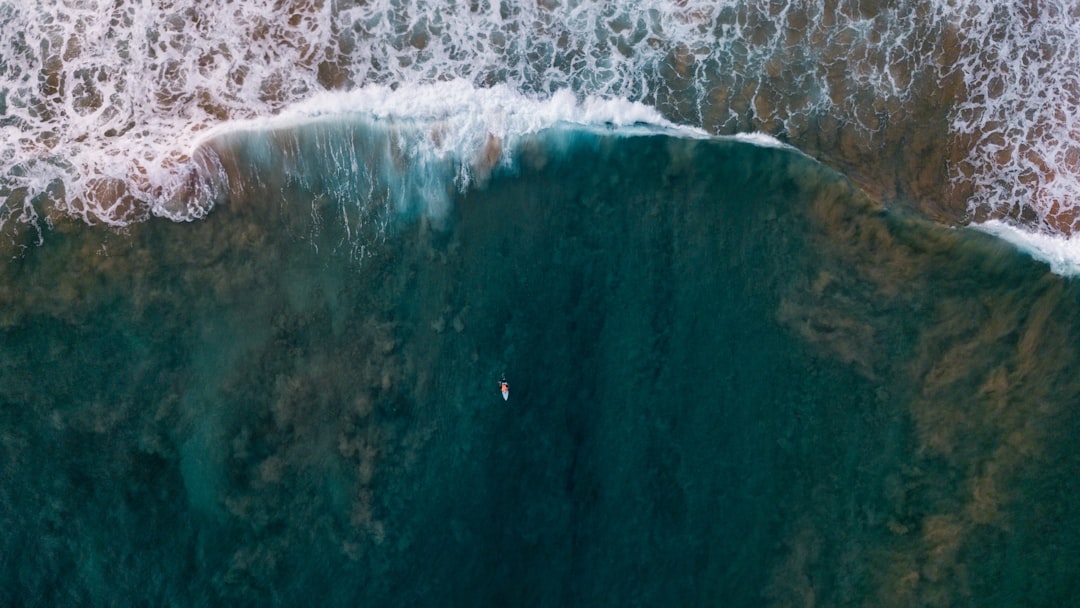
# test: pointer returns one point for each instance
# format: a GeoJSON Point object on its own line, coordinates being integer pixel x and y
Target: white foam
{"type": "Point", "coordinates": [1062, 254]}
{"type": "Point", "coordinates": [763, 140]}
{"type": "Point", "coordinates": [1020, 66]}
{"type": "Point", "coordinates": [111, 97]}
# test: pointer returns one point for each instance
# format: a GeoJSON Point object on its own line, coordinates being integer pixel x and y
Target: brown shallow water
{"type": "Point", "coordinates": [734, 379]}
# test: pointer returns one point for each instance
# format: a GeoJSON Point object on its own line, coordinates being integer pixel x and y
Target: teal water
{"type": "Point", "coordinates": [734, 381]}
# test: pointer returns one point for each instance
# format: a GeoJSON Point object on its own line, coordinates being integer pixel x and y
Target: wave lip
{"type": "Point", "coordinates": [460, 105]}
{"type": "Point", "coordinates": [763, 140]}
{"type": "Point", "coordinates": [1061, 253]}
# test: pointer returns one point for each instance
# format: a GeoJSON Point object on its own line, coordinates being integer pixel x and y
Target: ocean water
{"type": "Point", "coordinates": [783, 294]}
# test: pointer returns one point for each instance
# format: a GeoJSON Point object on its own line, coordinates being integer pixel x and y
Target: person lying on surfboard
{"type": "Point", "coordinates": [504, 386]}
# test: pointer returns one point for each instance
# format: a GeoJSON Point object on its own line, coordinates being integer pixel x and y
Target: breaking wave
{"type": "Point", "coordinates": [409, 147]}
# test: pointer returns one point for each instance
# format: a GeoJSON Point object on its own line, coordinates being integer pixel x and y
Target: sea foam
{"type": "Point", "coordinates": [103, 104]}
{"type": "Point", "coordinates": [1062, 254]}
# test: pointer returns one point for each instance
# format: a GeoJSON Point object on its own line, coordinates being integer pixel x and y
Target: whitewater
{"type": "Point", "coordinates": [106, 108]}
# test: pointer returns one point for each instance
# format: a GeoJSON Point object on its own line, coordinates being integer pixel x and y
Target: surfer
{"type": "Point", "coordinates": [504, 386]}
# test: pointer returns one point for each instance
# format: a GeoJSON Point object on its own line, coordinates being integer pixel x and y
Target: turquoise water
{"type": "Point", "coordinates": [734, 381]}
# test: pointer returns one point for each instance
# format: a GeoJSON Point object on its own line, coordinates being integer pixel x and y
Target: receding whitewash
{"type": "Point", "coordinates": [1062, 254]}
{"type": "Point", "coordinates": [1022, 112]}
{"type": "Point", "coordinates": [109, 98]}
